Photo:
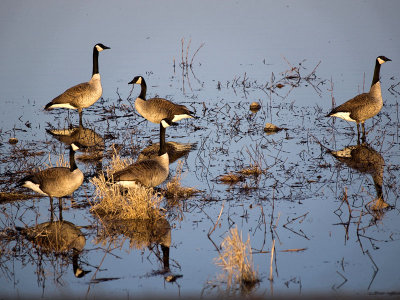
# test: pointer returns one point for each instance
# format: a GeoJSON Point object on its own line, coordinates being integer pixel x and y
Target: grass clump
{"type": "Point", "coordinates": [115, 202]}
{"type": "Point", "coordinates": [174, 188]}
{"type": "Point", "coordinates": [252, 170]}
{"type": "Point", "coordinates": [230, 178]}
{"type": "Point", "coordinates": [237, 262]}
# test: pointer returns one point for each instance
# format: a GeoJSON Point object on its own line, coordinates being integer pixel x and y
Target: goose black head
{"type": "Point", "coordinates": [382, 59]}
{"type": "Point", "coordinates": [136, 80]}
{"type": "Point", "coordinates": [100, 47]}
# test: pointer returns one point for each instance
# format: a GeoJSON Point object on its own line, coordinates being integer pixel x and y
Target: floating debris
{"type": "Point", "coordinates": [255, 107]}
{"type": "Point", "coordinates": [271, 128]}
{"type": "Point", "coordinates": [13, 141]}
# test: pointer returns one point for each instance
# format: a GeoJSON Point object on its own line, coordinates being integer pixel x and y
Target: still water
{"type": "Point", "coordinates": [293, 57]}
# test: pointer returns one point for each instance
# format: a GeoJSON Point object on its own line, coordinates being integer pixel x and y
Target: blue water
{"type": "Point", "coordinates": [47, 47]}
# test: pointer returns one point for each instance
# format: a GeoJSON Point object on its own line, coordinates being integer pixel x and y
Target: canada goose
{"type": "Point", "coordinates": [84, 94]}
{"type": "Point", "coordinates": [56, 181]}
{"type": "Point", "coordinates": [363, 106]}
{"type": "Point", "coordinates": [149, 172]}
{"type": "Point", "coordinates": [158, 110]}
{"type": "Point", "coordinates": [58, 237]}
{"type": "Point", "coordinates": [175, 150]}
{"type": "Point", "coordinates": [365, 159]}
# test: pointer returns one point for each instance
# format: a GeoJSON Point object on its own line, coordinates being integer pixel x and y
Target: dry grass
{"type": "Point", "coordinates": [174, 188]}
{"type": "Point", "coordinates": [112, 201]}
{"type": "Point", "coordinates": [252, 170]}
{"type": "Point", "coordinates": [230, 178]}
{"type": "Point", "coordinates": [237, 262]}
{"type": "Point", "coordinates": [60, 162]}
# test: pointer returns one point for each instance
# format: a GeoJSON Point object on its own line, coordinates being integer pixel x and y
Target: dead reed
{"type": "Point", "coordinates": [236, 261]}
{"type": "Point", "coordinates": [174, 188]}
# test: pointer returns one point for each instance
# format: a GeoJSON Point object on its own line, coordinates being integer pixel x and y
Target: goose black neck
{"type": "Point", "coordinates": [376, 72]}
{"type": "Point", "coordinates": [379, 191]}
{"type": "Point", "coordinates": [143, 90]}
{"type": "Point", "coordinates": [72, 163]}
{"type": "Point", "coordinates": [163, 147]}
{"type": "Point", "coordinates": [95, 61]}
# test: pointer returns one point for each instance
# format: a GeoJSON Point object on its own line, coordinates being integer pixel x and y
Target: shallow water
{"type": "Point", "coordinates": [297, 201]}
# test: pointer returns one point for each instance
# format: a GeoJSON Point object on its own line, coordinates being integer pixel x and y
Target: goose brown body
{"type": "Point", "coordinates": [148, 172]}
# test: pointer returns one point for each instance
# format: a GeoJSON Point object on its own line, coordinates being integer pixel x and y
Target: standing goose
{"type": "Point", "coordinates": [84, 94]}
{"type": "Point", "coordinates": [56, 181]}
{"type": "Point", "coordinates": [148, 172]}
{"type": "Point", "coordinates": [364, 106]}
{"type": "Point", "coordinates": [158, 110]}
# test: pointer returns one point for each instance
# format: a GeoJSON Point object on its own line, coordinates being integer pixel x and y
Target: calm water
{"type": "Point", "coordinates": [47, 48]}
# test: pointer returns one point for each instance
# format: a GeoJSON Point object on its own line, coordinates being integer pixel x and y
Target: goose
{"type": "Point", "coordinates": [148, 172]}
{"type": "Point", "coordinates": [84, 94]}
{"type": "Point", "coordinates": [364, 106]}
{"type": "Point", "coordinates": [158, 110]}
{"type": "Point", "coordinates": [57, 181]}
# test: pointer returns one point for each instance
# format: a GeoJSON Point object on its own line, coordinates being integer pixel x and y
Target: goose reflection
{"type": "Point", "coordinates": [141, 233]}
{"type": "Point", "coordinates": [92, 144]}
{"type": "Point", "coordinates": [89, 139]}
{"type": "Point", "coordinates": [364, 159]}
{"type": "Point", "coordinates": [60, 238]}
{"type": "Point", "coordinates": [175, 151]}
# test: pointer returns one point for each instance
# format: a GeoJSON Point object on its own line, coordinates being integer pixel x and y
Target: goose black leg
{"type": "Point", "coordinates": [363, 132]}
{"type": "Point", "coordinates": [80, 116]}
{"type": "Point", "coordinates": [60, 208]}
{"type": "Point", "coordinates": [358, 134]}
{"type": "Point", "coordinates": [51, 209]}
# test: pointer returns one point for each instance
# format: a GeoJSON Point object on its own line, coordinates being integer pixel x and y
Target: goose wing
{"type": "Point", "coordinates": [353, 104]}
{"type": "Point", "coordinates": [146, 172]}
{"type": "Point", "coordinates": [71, 95]}
{"type": "Point", "coordinates": [167, 107]}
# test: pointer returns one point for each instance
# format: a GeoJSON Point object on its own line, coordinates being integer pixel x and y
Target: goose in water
{"type": "Point", "coordinates": [158, 110]}
{"type": "Point", "coordinates": [57, 181]}
{"type": "Point", "coordinates": [364, 106]}
{"type": "Point", "coordinates": [84, 94]}
{"type": "Point", "coordinates": [148, 172]}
